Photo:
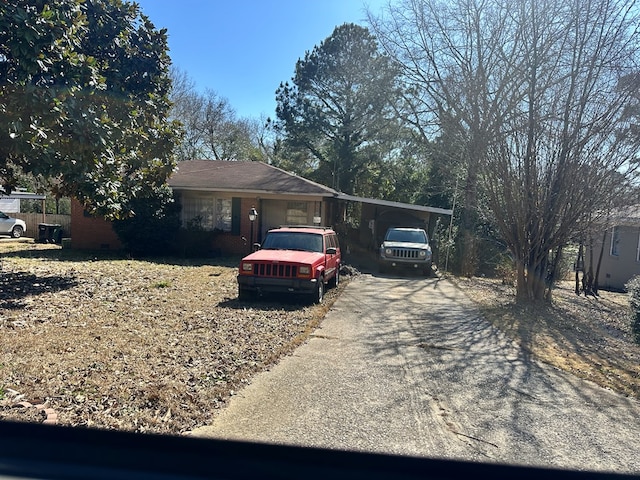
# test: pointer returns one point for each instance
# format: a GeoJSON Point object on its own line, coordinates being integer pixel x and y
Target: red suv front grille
{"type": "Point", "coordinates": [277, 270]}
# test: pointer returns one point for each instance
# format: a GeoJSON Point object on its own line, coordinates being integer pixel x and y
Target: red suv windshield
{"type": "Point", "coordinates": [303, 241]}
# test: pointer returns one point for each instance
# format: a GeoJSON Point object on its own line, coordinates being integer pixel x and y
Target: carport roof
{"type": "Point", "coordinates": [388, 203]}
{"type": "Point", "coordinates": [21, 196]}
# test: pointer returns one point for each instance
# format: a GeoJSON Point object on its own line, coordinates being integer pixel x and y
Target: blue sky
{"type": "Point", "coordinates": [243, 49]}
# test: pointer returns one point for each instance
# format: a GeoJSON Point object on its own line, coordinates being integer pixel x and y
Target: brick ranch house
{"type": "Point", "coordinates": [219, 195]}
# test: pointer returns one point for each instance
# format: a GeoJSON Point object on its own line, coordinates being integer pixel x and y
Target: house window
{"type": "Point", "coordinates": [207, 213]}
{"type": "Point", "coordinates": [615, 241]}
{"type": "Point", "coordinates": [223, 214]}
{"type": "Point", "coordinates": [297, 213]}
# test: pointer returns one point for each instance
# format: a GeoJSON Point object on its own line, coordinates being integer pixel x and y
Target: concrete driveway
{"type": "Point", "coordinates": [406, 365]}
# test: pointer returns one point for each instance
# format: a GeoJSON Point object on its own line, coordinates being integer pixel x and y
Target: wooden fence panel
{"type": "Point", "coordinates": [33, 219]}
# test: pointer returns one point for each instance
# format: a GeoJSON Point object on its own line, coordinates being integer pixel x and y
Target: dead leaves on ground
{"type": "Point", "coordinates": [135, 345]}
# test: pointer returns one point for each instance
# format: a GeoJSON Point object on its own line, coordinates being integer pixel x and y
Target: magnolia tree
{"type": "Point", "coordinates": [84, 100]}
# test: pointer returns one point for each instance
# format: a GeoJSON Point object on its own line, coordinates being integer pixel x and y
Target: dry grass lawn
{"type": "Point", "coordinates": [146, 346]}
{"type": "Point", "coordinates": [159, 346]}
{"type": "Point", "coordinates": [590, 337]}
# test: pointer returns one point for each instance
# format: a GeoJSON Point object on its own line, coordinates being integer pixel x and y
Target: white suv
{"type": "Point", "coordinates": [11, 226]}
{"type": "Point", "coordinates": [406, 248]}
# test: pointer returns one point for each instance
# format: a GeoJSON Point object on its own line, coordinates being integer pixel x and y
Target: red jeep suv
{"type": "Point", "coordinates": [295, 259]}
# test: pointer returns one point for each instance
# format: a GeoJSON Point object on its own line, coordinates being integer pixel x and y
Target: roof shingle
{"type": "Point", "coordinates": [220, 175]}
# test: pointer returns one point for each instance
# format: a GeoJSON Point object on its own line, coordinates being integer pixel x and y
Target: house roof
{"type": "Point", "coordinates": [247, 177]}
{"type": "Point", "coordinates": [258, 177]}
{"type": "Point", "coordinates": [626, 216]}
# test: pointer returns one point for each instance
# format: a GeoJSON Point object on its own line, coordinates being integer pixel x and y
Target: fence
{"type": "Point", "coordinates": [33, 219]}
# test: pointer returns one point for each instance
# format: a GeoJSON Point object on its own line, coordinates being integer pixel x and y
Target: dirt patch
{"type": "Point", "coordinates": [146, 346]}
{"type": "Point", "coordinates": [590, 337]}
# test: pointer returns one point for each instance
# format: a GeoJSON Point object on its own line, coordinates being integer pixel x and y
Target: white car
{"type": "Point", "coordinates": [11, 226]}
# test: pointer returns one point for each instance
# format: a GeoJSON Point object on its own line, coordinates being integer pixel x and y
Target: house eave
{"type": "Point", "coordinates": [252, 193]}
{"type": "Point", "coordinates": [388, 203]}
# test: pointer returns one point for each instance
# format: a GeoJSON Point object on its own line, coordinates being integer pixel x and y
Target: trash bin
{"type": "Point", "coordinates": [49, 233]}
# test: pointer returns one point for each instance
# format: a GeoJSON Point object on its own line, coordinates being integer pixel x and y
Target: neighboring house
{"type": "Point", "coordinates": [621, 255]}
{"type": "Point", "coordinates": [219, 196]}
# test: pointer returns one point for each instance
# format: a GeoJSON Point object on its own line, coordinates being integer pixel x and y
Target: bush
{"type": "Point", "coordinates": [506, 269]}
{"type": "Point", "coordinates": [195, 243]}
{"type": "Point", "coordinates": [152, 231]}
{"type": "Point", "coordinates": [565, 270]}
{"type": "Point", "coordinates": [633, 288]}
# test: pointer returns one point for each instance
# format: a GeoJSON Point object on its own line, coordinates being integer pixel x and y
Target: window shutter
{"type": "Point", "coordinates": [235, 215]}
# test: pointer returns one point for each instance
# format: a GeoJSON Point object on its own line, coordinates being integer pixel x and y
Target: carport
{"type": "Point", "coordinates": [11, 203]}
{"type": "Point", "coordinates": [378, 215]}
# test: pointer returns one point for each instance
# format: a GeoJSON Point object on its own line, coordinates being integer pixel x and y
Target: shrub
{"type": "Point", "coordinates": [506, 269]}
{"type": "Point", "coordinates": [195, 243]}
{"type": "Point", "coordinates": [153, 229]}
{"type": "Point", "coordinates": [633, 289]}
{"type": "Point", "coordinates": [565, 270]}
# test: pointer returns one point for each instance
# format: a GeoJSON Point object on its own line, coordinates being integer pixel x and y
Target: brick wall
{"type": "Point", "coordinates": [91, 233]}
{"type": "Point", "coordinates": [228, 244]}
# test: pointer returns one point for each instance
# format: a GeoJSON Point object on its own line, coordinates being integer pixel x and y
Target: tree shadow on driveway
{"type": "Point", "coordinates": [487, 391]}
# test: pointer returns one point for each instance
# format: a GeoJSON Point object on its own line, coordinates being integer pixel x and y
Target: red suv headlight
{"type": "Point", "coordinates": [304, 271]}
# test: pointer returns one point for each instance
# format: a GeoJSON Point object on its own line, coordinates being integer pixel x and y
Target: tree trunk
{"type": "Point", "coordinates": [587, 278]}
{"type": "Point", "coordinates": [537, 278]}
{"type": "Point", "coordinates": [552, 275]}
{"type": "Point", "coordinates": [596, 284]}
{"type": "Point", "coordinates": [578, 268]}
{"type": "Point", "coordinates": [521, 283]}
{"type": "Point", "coordinates": [531, 281]}
{"type": "Point", "coordinates": [469, 216]}
{"type": "Point", "coordinates": [468, 263]}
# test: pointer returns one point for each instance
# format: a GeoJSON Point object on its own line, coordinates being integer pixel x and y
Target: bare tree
{"type": "Point", "coordinates": [453, 58]}
{"type": "Point", "coordinates": [211, 128]}
{"type": "Point", "coordinates": [536, 86]}
{"type": "Point", "coordinates": [561, 157]}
